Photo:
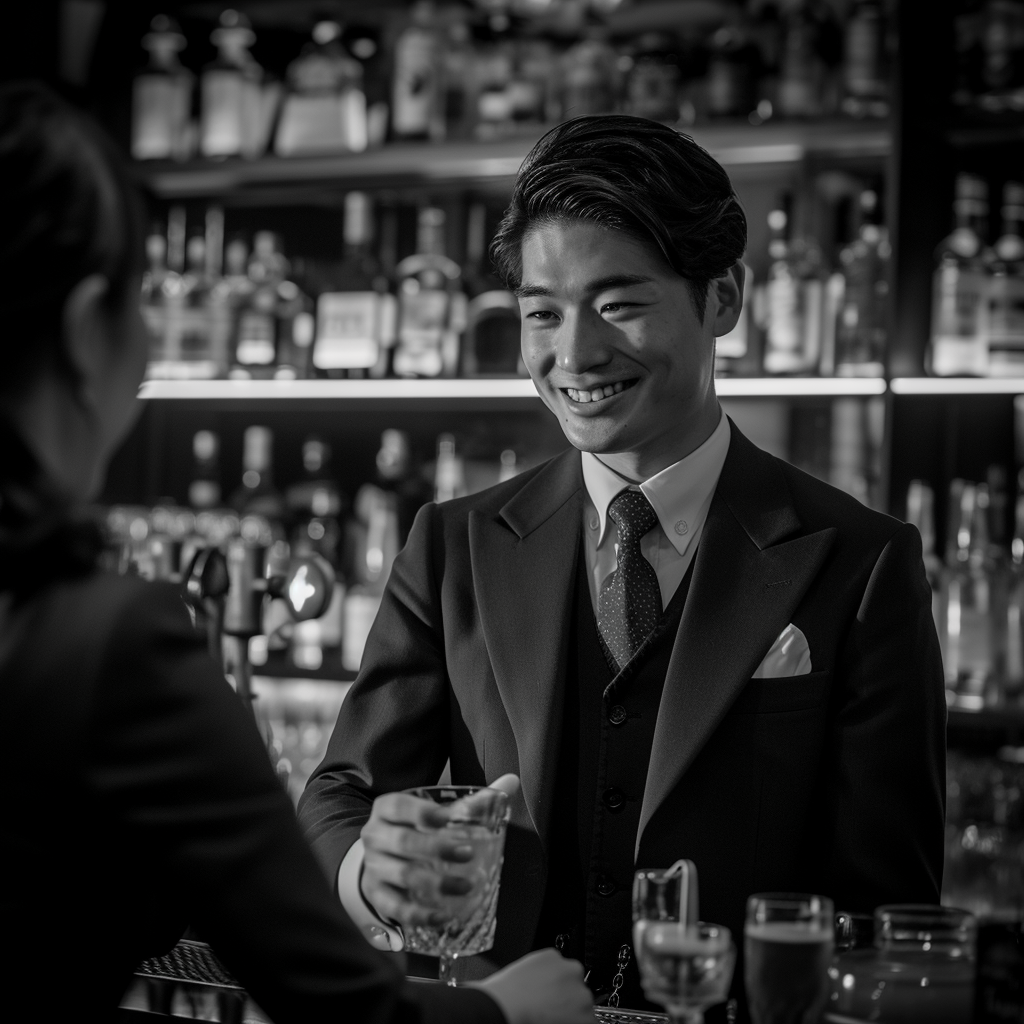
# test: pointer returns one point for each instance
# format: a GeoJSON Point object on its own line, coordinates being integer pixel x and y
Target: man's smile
{"type": "Point", "coordinates": [599, 393]}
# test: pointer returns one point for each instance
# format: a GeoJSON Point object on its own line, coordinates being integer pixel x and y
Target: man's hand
{"type": "Point", "coordinates": [406, 852]}
{"type": "Point", "coordinates": [541, 988]}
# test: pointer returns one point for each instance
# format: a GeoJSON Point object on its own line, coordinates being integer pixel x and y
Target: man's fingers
{"type": "Point", "coordinates": [508, 784]}
{"type": "Point", "coordinates": [403, 841]}
{"type": "Point", "coordinates": [406, 809]}
{"type": "Point", "coordinates": [394, 905]}
{"type": "Point", "coordinates": [420, 880]}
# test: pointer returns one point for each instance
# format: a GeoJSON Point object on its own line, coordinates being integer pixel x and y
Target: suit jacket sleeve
{"type": "Point", "coordinates": [180, 773]}
{"type": "Point", "coordinates": [393, 731]}
{"type": "Point", "coordinates": [883, 800]}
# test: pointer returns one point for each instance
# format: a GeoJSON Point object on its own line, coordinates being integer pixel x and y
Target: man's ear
{"type": "Point", "coordinates": [728, 289]}
{"type": "Point", "coordinates": [86, 334]}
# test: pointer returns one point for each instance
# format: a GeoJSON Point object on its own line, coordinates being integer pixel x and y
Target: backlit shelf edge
{"type": "Point", "coordinates": [347, 390]}
{"type": "Point", "coordinates": [797, 387]}
{"type": "Point", "coordinates": [957, 385]}
{"type": "Point", "coordinates": [470, 390]}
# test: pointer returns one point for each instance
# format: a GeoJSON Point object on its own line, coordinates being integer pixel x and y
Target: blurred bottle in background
{"type": "Point", "coordinates": [416, 109]}
{"type": "Point", "coordinates": [162, 97]}
{"type": "Point", "coordinates": [1006, 289]}
{"type": "Point", "coordinates": [431, 304]}
{"type": "Point", "coordinates": [959, 341]}
{"type": "Point", "coordinates": [204, 488]}
{"type": "Point", "coordinates": [324, 110]}
{"type": "Point", "coordinates": [865, 85]}
{"type": "Point", "coordinates": [794, 298]}
{"type": "Point", "coordinates": [356, 318]}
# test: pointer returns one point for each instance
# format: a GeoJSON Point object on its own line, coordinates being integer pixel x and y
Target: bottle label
{"type": "Point", "coordinates": [255, 339]}
{"type": "Point", "coordinates": [350, 328]}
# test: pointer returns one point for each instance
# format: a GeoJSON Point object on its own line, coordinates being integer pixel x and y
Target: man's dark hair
{"type": "Point", "coordinates": [636, 176]}
{"type": "Point", "coordinates": [68, 209]}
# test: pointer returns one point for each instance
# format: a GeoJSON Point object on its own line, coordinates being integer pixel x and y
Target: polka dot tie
{"type": "Point", "coordinates": [629, 604]}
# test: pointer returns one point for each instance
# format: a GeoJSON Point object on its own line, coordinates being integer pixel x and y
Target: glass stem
{"type": "Point", "coordinates": [445, 968]}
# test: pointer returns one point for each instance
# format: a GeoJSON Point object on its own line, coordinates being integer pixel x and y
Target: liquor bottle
{"type": "Point", "coordinates": [294, 326]}
{"type": "Point", "coordinates": [196, 360]}
{"type": "Point", "coordinates": [325, 108]}
{"type": "Point", "coordinates": [654, 80]}
{"type": "Point", "coordinates": [416, 98]}
{"type": "Point", "coordinates": [589, 75]}
{"type": "Point", "coordinates": [168, 362]}
{"type": "Point", "coordinates": [1013, 670]}
{"type": "Point", "coordinates": [355, 321]}
{"type": "Point", "coordinates": [1006, 289]}
{"type": "Point", "coordinates": [377, 515]}
{"type": "Point", "coordinates": [431, 305]}
{"type": "Point", "coordinates": [458, 79]}
{"type": "Point", "coordinates": [794, 295]}
{"type": "Point", "coordinates": [219, 307]}
{"type": "Point", "coordinates": [153, 299]}
{"type": "Point", "coordinates": [398, 473]}
{"type": "Point", "coordinates": [921, 513]}
{"type": "Point", "coordinates": [255, 346]}
{"type": "Point", "coordinates": [509, 466]}
{"type": "Point", "coordinates": [204, 489]}
{"type": "Point", "coordinates": [449, 471]}
{"type": "Point", "coordinates": [731, 70]}
{"type": "Point", "coordinates": [315, 503]}
{"type": "Point", "coordinates": [968, 654]}
{"type": "Point", "coordinates": [236, 107]}
{"type": "Point", "coordinates": [800, 73]}
{"type": "Point", "coordinates": [491, 344]}
{"type": "Point", "coordinates": [865, 90]}
{"type": "Point", "coordinates": [863, 314]}
{"type": "Point", "coordinates": [162, 96]}
{"type": "Point", "coordinates": [959, 336]}
{"type": "Point", "coordinates": [257, 495]}
{"type": "Point", "coordinates": [1002, 56]}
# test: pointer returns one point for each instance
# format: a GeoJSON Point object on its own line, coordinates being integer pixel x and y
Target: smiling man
{"type": "Point", "coordinates": [681, 645]}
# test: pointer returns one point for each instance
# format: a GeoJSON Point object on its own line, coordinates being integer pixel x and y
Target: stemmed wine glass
{"type": "Point", "coordinates": [686, 965]}
{"type": "Point", "coordinates": [478, 819]}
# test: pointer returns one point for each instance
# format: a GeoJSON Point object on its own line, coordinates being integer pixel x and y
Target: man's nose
{"type": "Point", "coordinates": [582, 343]}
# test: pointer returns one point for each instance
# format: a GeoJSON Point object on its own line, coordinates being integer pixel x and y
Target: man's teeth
{"type": "Point", "coordinates": [597, 393]}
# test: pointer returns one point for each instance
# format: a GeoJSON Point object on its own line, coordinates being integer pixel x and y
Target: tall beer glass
{"type": "Point", "coordinates": [787, 947]}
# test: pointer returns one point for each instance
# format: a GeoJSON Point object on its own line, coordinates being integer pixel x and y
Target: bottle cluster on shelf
{"type": "Point", "coordinates": [984, 860]}
{"type": "Point", "coordinates": [217, 310]}
{"type": "Point", "coordinates": [978, 589]}
{"type": "Point", "coordinates": [446, 71]}
{"type": "Point", "coordinates": [978, 288]}
{"type": "Point", "coordinates": [359, 538]}
{"type": "Point", "coordinates": [989, 57]}
{"type": "Point", "coordinates": [817, 319]}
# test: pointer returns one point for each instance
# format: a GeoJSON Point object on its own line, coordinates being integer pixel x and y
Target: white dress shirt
{"type": "Point", "coordinates": [680, 495]}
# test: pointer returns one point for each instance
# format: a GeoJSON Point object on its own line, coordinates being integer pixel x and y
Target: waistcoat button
{"type": "Point", "coordinates": [613, 799]}
{"type": "Point", "coordinates": [617, 715]}
{"type": "Point", "coordinates": [605, 886]}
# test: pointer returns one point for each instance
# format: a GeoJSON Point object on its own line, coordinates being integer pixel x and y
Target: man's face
{"type": "Point", "coordinates": [612, 341]}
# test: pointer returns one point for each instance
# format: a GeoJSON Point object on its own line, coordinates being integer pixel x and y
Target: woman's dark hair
{"type": "Point", "coordinates": [67, 209]}
{"type": "Point", "coordinates": [636, 176]}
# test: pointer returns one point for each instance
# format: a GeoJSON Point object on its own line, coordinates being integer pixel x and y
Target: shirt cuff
{"type": "Point", "coordinates": [379, 933]}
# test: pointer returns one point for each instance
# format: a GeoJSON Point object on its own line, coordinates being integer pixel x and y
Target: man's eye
{"type": "Point", "coordinates": [542, 314]}
{"type": "Point", "coordinates": [615, 307]}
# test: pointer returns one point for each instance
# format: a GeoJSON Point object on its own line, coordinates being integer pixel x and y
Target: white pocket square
{"type": "Point", "coordinates": [789, 656]}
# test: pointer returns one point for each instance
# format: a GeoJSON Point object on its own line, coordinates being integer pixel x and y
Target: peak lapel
{"type": "Point", "coordinates": [524, 560]}
{"type": "Point", "coordinates": [751, 570]}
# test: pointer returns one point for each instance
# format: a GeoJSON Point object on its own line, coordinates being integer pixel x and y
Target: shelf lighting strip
{"type": "Point", "coordinates": [957, 385]}
{"type": "Point", "coordinates": [442, 390]}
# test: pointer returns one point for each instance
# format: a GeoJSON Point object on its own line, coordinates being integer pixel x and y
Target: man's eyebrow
{"type": "Point", "coordinates": [602, 284]}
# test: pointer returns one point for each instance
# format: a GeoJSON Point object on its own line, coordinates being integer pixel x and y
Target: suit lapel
{"type": "Point", "coordinates": [751, 570]}
{"type": "Point", "coordinates": [524, 563]}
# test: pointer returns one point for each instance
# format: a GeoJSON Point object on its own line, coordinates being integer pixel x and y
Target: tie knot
{"type": "Point", "coordinates": [633, 514]}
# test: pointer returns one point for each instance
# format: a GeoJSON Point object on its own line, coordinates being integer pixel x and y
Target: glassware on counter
{"type": "Point", "coordinates": [479, 816]}
{"type": "Point", "coordinates": [788, 942]}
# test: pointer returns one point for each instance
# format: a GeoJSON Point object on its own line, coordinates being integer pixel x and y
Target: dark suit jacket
{"type": "Point", "coordinates": [832, 782]}
{"type": "Point", "coordinates": [139, 798]}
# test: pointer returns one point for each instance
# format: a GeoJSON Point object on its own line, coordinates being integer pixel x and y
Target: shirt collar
{"type": "Point", "coordinates": [680, 494]}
